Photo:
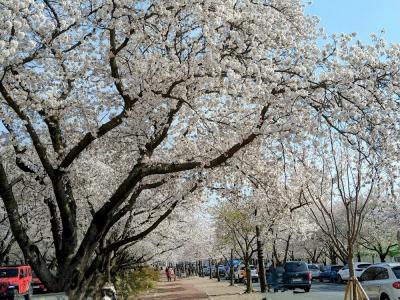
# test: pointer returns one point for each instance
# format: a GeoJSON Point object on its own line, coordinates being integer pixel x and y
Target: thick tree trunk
{"type": "Point", "coordinates": [209, 265]}
{"type": "Point", "coordinates": [231, 270]}
{"type": "Point", "coordinates": [352, 272]}
{"type": "Point", "coordinates": [261, 268]}
{"type": "Point", "coordinates": [249, 283]}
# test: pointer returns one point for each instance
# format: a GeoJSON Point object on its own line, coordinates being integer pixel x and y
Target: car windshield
{"type": "Point", "coordinates": [396, 271]}
{"type": "Point", "coordinates": [336, 268]}
{"type": "Point", "coordinates": [363, 266]}
{"type": "Point", "coordinates": [8, 273]}
{"type": "Point", "coordinates": [313, 267]}
{"type": "Point", "coordinates": [296, 267]}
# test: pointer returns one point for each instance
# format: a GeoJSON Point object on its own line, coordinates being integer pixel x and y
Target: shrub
{"type": "Point", "coordinates": [135, 281]}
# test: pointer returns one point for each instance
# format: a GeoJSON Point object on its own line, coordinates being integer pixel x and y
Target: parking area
{"type": "Point", "coordinates": [319, 291]}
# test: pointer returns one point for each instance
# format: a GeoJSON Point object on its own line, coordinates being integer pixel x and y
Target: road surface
{"type": "Point", "coordinates": [52, 296]}
{"type": "Point", "coordinates": [325, 291]}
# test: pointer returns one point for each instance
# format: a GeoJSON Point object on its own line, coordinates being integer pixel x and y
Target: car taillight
{"type": "Point", "coordinates": [396, 285]}
{"type": "Point", "coordinates": [309, 276]}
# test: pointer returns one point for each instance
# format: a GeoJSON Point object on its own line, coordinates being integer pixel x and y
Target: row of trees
{"type": "Point", "coordinates": [114, 114]}
{"type": "Point", "coordinates": [333, 201]}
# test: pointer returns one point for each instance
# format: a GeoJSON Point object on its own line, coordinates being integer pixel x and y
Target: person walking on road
{"type": "Point", "coordinates": [172, 274]}
{"type": "Point", "coordinates": [168, 273]}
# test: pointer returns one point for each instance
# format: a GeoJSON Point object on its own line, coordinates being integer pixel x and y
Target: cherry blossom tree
{"type": "Point", "coordinates": [103, 99]}
{"type": "Point", "coordinates": [235, 228]}
{"type": "Point", "coordinates": [378, 233]}
{"type": "Point", "coordinates": [340, 199]}
{"type": "Point", "coordinates": [108, 103]}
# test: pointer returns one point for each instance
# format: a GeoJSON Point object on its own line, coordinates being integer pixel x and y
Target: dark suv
{"type": "Point", "coordinates": [297, 276]}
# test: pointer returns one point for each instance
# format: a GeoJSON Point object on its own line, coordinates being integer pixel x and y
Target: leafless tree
{"type": "Point", "coordinates": [339, 204]}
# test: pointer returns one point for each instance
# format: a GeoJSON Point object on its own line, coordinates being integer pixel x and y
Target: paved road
{"type": "Point", "coordinates": [184, 290]}
{"type": "Point", "coordinates": [52, 296]}
{"type": "Point", "coordinates": [325, 291]}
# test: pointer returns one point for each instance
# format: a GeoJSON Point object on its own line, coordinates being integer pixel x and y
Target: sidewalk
{"type": "Point", "coordinates": [197, 288]}
{"type": "Point", "coordinates": [175, 290]}
{"type": "Point", "coordinates": [222, 290]}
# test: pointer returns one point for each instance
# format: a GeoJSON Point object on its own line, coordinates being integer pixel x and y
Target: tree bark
{"type": "Point", "coordinates": [209, 265]}
{"type": "Point", "coordinates": [351, 272]}
{"type": "Point", "coordinates": [231, 269]}
{"type": "Point", "coordinates": [249, 284]}
{"type": "Point", "coordinates": [261, 268]}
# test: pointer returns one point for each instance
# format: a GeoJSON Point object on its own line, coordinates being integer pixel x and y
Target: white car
{"type": "Point", "coordinates": [382, 281]}
{"type": "Point", "coordinates": [359, 267]}
{"type": "Point", "coordinates": [254, 273]}
{"type": "Point", "coordinates": [240, 274]}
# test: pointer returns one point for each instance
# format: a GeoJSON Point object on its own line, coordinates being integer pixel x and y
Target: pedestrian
{"type": "Point", "coordinates": [168, 273]}
{"type": "Point", "coordinates": [172, 274]}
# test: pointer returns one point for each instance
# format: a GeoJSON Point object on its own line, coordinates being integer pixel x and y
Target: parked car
{"type": "Point", "coordinates": [359, 267]}
{"type": "Point", "coordinates": [330, 273]}
{"type": "Point", "coordinates": [297, 275]}
{"type": "Point", "coordinates": [274, 277]}
{"type": "Point", "coordinates": [37, 285]}
{"type": "Point", "coordinates": [228, 271]}
{"type": "Point", "coordinates": [221, 271]}
{"type": "Point", "coordinates": [16, 282]}
{"type": "Point", "coordinates": [206, 270]}
{"type": "Point", "coordinates": [240, 273]}
{"type": "Point", "coordinates": [382, 281]}
{"type": "Point", "coordinates": [315, 271]}
{"type": "Point", "coordinates": [253, 273]}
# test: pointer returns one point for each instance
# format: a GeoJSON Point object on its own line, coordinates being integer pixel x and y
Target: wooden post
{"type": "Point", "coordinates": [355, 288]}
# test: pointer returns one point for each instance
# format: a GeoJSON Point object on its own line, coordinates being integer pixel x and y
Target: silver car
{"type": "Point", "coordinates": [382, 281]}
{"type": "Point", "coordinates": [315, 271]}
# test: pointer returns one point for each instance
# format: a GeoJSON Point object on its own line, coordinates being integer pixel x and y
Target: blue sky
{"type": "Point", "coordinates": [361, 16]}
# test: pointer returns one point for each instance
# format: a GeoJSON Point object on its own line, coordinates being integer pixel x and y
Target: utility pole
{"type": "Point", "coordinates": [260, 258]}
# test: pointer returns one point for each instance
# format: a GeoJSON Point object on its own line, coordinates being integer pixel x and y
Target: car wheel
{"type": "Point", "coordinates": [340, 279]}
{"type": "Point", "coordinates": [384, 297]}
{"type": "Point", "coordinates": [307, 290]}
{"type": "Point", "coordinates": [29, 295]}
{"type": "Point", "coordinates": [320, 279]}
